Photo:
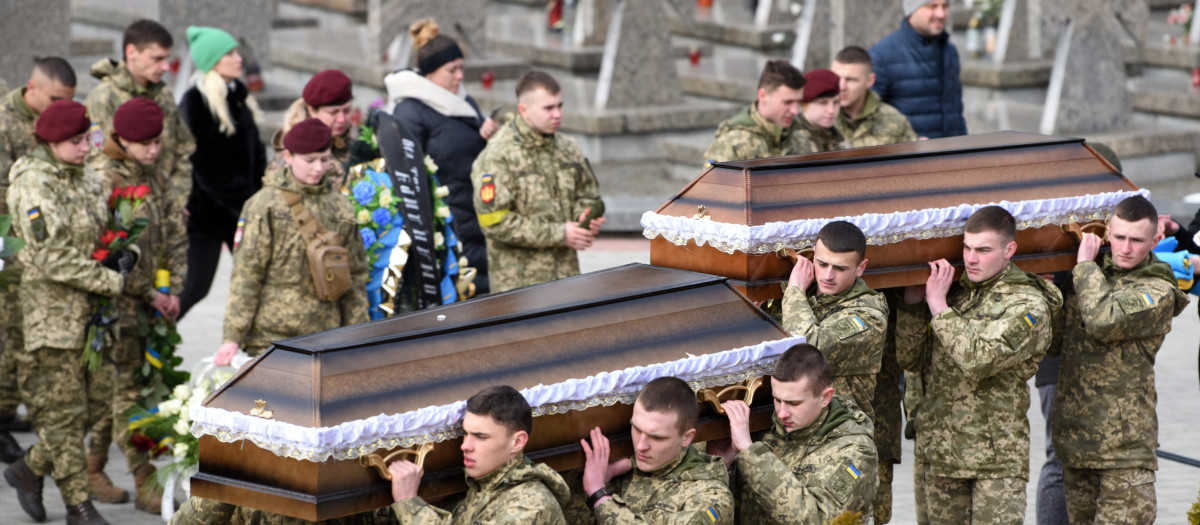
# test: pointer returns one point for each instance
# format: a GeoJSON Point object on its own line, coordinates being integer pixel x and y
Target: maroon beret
{"type": "Point", "coordinates": [820, 83]}
{"type": "Point", "coordinates": [309, 136]}
{"type": "Point", "coordinates": [327, 88]}
{"type": "Point", "coordinates": [62, 120]}
{"type": "Point", "coordinates": [138, 120]}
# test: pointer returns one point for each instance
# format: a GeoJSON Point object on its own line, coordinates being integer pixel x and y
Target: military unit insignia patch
{"type": "Point", "coordinates": [1017, 332]}
{"type": "Point", "coordinates": [843, 483]}
{"type": "Point", "coordinates": [487, 189]}
{"type": "Point", "coordinates": [1135, 302]}
{"type": "Point", "coordinates": [851, 327]}
{"type": "Point", "coordinates": [37, 223]}
{"type": "Point", "coordinates": [237, 235]}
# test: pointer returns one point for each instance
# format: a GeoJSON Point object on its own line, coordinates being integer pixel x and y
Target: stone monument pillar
{"type": "Point", "coordinates": [836, 25]}
{"type": "Point", "coordinates": [1088, 89]}
{"type": "Point", "coordinates": [637, 69]}
{"type": "Point", "coordinates": [462, 20]}
{"type": "Point", "coordinates": [246, 20]}
{"type": "Point", "coordinates": [31, 30]}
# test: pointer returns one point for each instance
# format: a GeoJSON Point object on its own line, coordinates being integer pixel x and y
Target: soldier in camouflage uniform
{"type": "Point", "coordinates": [842, 316]}
{"type": "Point", "coordinates": [768, 127]}
{"type": "Point", "coordinates": [129, 159]}
{"type": "Point", "coordinates": [817, 461]}
{"type": "Point", "coordinates": [147, 46]}
{"type": "Point", "coordinates": [200, 511]}
{"type": "Point", "coordinates": [327, 97]}
{"type": "Point", "coordinates": [865, 120]}
{"type": "Point", "coordinates": [819, 107]}
{"type": "Point", "coordinates": [60, 213]}
{"type": "Point", "coordinates": [1104, 423]}
{"type": "Point", "coordinates": [975, 356]}
{"type": "Point", "coordinates": [52, 79]}
{"type": "Point", "coordinates": [503, 486]}
{"type": "Point", "coordinates": [271, 293]}
{"type": "Point", "coordinates": [534, 191]}
{"type": "Point", "coordinates": [668, 482]}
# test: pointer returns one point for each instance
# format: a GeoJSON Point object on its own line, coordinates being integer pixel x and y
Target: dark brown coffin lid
{"type": "Point", "coordinates": [571, 328]}
{"type": "Point", "coordinates": [939, 173]}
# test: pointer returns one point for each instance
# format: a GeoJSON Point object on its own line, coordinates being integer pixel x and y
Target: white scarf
{"type": "Point", "coordinates": [408, 84]}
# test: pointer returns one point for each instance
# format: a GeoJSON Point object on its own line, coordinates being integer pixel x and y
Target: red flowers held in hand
{"type": "Point", "coordinates": [100, 254]}
{"type": "Point", "coordinates": [108, 237]}
{"type": "Point", "coordinates": [140, 191]}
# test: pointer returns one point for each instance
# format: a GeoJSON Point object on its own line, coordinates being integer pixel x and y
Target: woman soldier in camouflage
{"type": "Point", "coordinates": [60, 212]}
{"type": "Point", "coordinates": [272, 294]}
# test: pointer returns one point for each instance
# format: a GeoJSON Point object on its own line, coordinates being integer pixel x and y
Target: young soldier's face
{"type": "Point", "coordinates": [836, 272]}
{"type": "Point", "coordinates": [780, 105]}
{"type": "Point", "coordinates": [145, 152]}
{"type": "Point", "coordinates": [856, 80]}
{"type": "Point", "coordinates": [796, 405]}
{"type": "Point", "coordinates": [309, 168]}
{"type": "Point", "coordinates": [823, 111]}
{"type": "Point", "coordinates": [72, 150]}
{"type": "Point", "coordinates": [338, 117]}
{"type": "Point", "coordinates": [487, 444]}
{"type": "Point", "coordinates": [541, 110]}
{"type": "Point", "coordinates": [41, 91]}
{"type": "Point", "coordinates": [1132, 242]}
{"type": "Point", "coordinates": [985, 254]}
{"type": "Point", "coordinates": [147, 65]}
{"type": "Point", "coordinates": [656, 437]}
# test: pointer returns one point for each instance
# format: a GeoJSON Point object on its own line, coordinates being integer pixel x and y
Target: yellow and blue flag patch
{"type": "Point", "coordinates": [1030, 320]}
{"type": "Point", "coordinates": [712, 515]}
{"type": "Point", "coordinates": [853, 470]}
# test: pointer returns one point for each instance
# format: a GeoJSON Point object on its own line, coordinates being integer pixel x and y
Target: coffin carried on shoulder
{"type": "Point", "coordinates": [912, 201]}
{"type": "Point", "coordinates": [306, 429]}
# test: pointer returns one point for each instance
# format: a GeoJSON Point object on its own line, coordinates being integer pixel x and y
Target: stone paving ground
{"type": "Point", "coordinates": [1178, 407]}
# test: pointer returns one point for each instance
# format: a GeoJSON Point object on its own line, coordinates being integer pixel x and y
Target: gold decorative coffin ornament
{"type": "Point", "coordinates": [344, 403]}
{"type": "Point", "coordinates": [743, 220]}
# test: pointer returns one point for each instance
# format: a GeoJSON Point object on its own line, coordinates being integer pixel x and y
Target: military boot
{"type": "Point", "coordinates": [29, 489]}
{"type": "Point", "coordinates": [10, 450]}
{"type": "Point", "coordinates": [84, 514]}
{"type": "Point", "coordinates": [99, 484]}
{"type": "Point", "coordinates": [149, 493]}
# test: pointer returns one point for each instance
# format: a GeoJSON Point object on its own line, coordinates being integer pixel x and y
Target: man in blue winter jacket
{"type": "Point", "coordinates": [917, 70]}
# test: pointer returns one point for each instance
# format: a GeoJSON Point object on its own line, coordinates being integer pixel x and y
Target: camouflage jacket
{"type": "Point", "coordinates": [808, 475]}
{"type": "Point", "coordinates": [1104, 407]}
{"type": "Point", "coordinates": [118, 87]}
{"type": "Point", "coordinates": [975, 359]}
{"type": "Point", "coordinates": [533, 183]}
{"type": "Point", "coordinates": [519, 492]}
{"type": "Point", "coordinates": [164, 243]}
{"type": "Point", "coordinates": [16, 136]}
{"type": "Point", "coordinates": [271, 293]}
{"type": "Point", "coordinates": [200, 511]}
{"type": "Point", "coordinates": [747, 135]}
{"type": "Point", "coordinates": [692, 489]}
{"type": "Point", "coordinates": [823, 139]}
{"type": "Point", "coordinates": [60, 213]}
{"type": "Point", "coordinates": [879, 124]}
{"type": "Point", "coordinates": [849, 328]}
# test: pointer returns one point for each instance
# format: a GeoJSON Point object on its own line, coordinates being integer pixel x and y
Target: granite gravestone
{"type": "Point", "coordinates": [590, 24]}
{"type": "Point", "coordinates": [247, 20]}
{"type": "Point", "coordinates": [462, 20]}
{"type": "Point", "coordinates": [32, 30]}
{"type": "Point", "coordinates": [1088, 89]}
{"type": "Point", "coordinates": [637, 69]}
{"type": "Point", "coordinates": [824, 28]}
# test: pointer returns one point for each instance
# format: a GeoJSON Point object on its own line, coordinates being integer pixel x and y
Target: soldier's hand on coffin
{"type": "Point", "coordinates": [577, 238]}
{"type": "Point", "coordinates": [941, 276]}
{"type": "Point", "coordinates": [1089, 246]}
{"type": "Point", "coordinates": [595, 467]}
{"type": "Point", "coordinates": [914, 294]}
{"type": "Point", "coordinates": [225, 353]}
{"type": "Point", "coordinates": [739, 423]}
{"type": "Point", "coordinates": [406, 479]}
{"type": "Point", "coordinates": [802, 273]}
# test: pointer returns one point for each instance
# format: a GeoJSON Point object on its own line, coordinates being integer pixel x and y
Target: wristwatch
{"type": "Point", "coordinates": [596, 497]}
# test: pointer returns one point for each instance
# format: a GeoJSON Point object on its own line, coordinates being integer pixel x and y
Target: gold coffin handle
{"type": "Point", "coordinates": [381, 463]}
{"type": "Point", "coordinates": [1077, 230]}
{"type": "Point", "coordinates": [714, 398]}
{"type": "Point", "coordinates": [793, 255]}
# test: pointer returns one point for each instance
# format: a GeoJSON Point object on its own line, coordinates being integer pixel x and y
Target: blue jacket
{"type": "Point", "coordinates": [919, 76]}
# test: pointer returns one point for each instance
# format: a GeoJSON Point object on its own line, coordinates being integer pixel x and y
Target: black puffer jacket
{"type": "Point", "coordinates": [453, 143]}
{"type": "Point", "coordinates": [226, 170]}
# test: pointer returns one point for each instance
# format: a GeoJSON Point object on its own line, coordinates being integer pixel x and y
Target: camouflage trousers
{"type": "Point", "coordinates": [55, 384]}
{"type": "Point", "coordinates": [888, 425]}
{"type": "Point", "coordinates": [958, 501]}
{"type": "Point", "coordinates": [115, 382]}
{"type": "Point", "coordinates": [200, 511]}
{"type": "Point", "coordinates": [12, 342]}
{"type": "Point", "coordinates": [882, 505]}
{"type": "Point", "coordinates": [922, 509]}
{"type": "Point", "coordinates": [1123, 495]}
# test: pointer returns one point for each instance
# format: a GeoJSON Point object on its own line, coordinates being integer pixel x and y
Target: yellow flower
{"type": "Point", "coordinates": [364, 217]}
{"type": "Point", "coordinates": [385, 199]}
{"type": "Point", "coordinates": [438, 239]}
{"type": "Point", "coordinates": [442, 192]}
{"type": "Point", "coordinates": [443, 212]}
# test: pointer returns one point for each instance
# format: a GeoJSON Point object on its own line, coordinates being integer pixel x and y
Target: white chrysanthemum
{"type": "Point", "coordinates": [183, 426]}
{"type": "Point", "coordinates": [169, 407]}
{"type": "Point", "coordinates": [438, 239]}
{"type": "Point", "coordinates": [182, 392]}
{"type": "Point", "coordinates": [181, 450]}
{"type": "Point", "coordinates": [430, 166]}
{"type": "Point", "coordinates": [443, 212]}
{"type": "Point", "coordinates": [442, 192]}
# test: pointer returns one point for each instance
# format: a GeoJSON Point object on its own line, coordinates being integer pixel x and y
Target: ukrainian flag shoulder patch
{"type": "Point", "coordinates": [711, 514]}
{"type": "Point", "coordinates": [850, 327]}
{"type": "Point", "coordinates": [1136, 302]}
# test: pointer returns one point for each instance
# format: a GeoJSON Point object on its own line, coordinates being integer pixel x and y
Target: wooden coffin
{"type": "Point", "coordinates": [912, 200]}
{"type": "Point", "coordinates": [578, 348]}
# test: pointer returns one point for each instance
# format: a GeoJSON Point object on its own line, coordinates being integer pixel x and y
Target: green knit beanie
{"type": "Point", "coordinates": [208, 45]}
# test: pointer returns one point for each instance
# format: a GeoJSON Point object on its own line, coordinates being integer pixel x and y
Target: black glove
{"type": "Point", "coordinates": [121, 261]}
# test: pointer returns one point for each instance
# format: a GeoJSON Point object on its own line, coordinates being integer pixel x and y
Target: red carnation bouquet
{"type": "Point", "coordinates": [123, 230]}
